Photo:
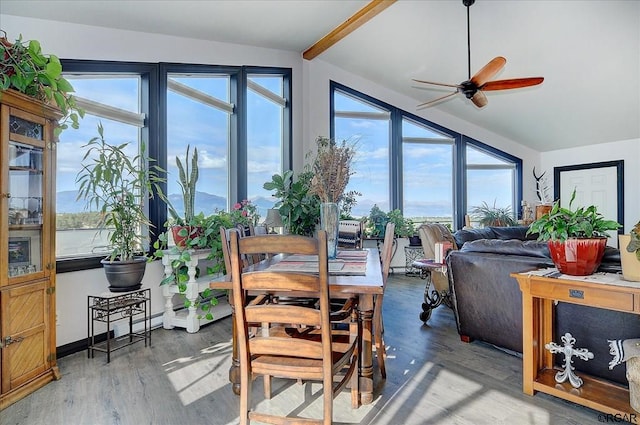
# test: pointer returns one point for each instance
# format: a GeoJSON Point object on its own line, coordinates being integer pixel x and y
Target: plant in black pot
{"type": "Point", "coordinates": [118, 184]}
{"type": "Point", "coordinates": [576, 239]}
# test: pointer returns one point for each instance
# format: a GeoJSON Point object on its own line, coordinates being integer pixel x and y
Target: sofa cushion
{"type": "Point", "coordinates": [464, 235]}
{"type": "Point", "coordinates": [513, 232]}
{"type": "Point", "coordinates": [508, 247]}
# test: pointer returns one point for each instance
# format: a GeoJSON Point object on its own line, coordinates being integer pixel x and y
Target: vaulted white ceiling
{"type": "Point", "coordinates": [587, 51]}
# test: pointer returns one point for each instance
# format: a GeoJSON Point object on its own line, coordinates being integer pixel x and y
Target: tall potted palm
{"type": "Point", "coordinates": [118, 186]}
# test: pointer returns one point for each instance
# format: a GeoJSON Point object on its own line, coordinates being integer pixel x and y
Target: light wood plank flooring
{"type": "Point", "coordinates": [433, 378]}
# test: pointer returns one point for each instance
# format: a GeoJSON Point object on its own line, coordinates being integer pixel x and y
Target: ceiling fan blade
{"type": "Point", "coordinates": [479, 99]}
{"type": "Point", "coordinates": [514, 83]}
{"type": "Point", "coordinates": [488, 71]}
{"type": "Point", "coordinates": [436, 84]}
{"type": "Point", "coordinates": [431, 102]}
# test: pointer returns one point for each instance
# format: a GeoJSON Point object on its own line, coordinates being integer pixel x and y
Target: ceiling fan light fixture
{"type": "Point", "coordinates": [473, 87]}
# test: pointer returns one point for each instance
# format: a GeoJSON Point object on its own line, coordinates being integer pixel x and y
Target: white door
{"type": "Point", "coordinates": [594, 186]}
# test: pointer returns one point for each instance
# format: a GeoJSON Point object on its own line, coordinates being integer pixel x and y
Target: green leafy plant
{"type": "Point", "coordinates": [299, 208]}
{"type": "Point", "coordinates": [493, 216]}
{"type": "Point", "coordinates": [187, 179]}
{"type": "Point", "coordinates": [377, 221]}
{"type": "Point", "coordinates": [349, 200]}
{"type": "Point", "coordinates": [634, 242]}
{"type": "Point", "coordinates": [561, 224]}
{"type": "Point", "coordinates": [118, 186]}
{"type": "Point", "coordinates": [23, 67]}
{"type": "Point", "coordinates": [404, 227]}
{"type": "Point", "coordinates": [208, 237]}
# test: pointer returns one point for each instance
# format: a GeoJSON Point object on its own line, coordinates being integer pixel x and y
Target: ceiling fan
{"type": "Point", "coordinates": [475, 86]}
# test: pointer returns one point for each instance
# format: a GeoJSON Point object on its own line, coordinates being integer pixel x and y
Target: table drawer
{"type": "Point", "coordinates": [603, 298]}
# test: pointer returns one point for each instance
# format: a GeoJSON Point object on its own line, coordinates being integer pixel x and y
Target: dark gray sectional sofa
{"type": "Point", "coordinates": [488, 301]}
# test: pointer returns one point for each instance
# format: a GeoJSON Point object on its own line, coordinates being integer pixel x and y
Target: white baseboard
{"type": "Point", "coordinates": [122, 327]}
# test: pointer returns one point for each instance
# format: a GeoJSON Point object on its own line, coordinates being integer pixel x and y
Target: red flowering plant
{"type": "Point", "coordinates": [245, 212]}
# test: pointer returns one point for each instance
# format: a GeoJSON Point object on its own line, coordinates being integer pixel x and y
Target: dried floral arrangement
{"type": "Point", "coordinates": [331, 169]}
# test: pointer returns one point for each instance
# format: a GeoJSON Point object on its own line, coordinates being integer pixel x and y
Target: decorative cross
{"type": "Point", "coordinates": [569, 352]}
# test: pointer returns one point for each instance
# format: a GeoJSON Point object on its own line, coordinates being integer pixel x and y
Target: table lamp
{"type": "Point", "coordinates": [273, 220]}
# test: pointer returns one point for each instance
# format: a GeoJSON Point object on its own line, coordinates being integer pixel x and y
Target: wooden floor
{"type": "Point", "coordinates": [432, 378]}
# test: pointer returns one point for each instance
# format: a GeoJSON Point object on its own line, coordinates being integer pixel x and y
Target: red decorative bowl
{"type": "Point", "coordinates": [577, 257]}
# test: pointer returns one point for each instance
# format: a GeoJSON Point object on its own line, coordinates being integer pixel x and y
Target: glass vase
{"type": "Point", "coordinates": [329, 220]}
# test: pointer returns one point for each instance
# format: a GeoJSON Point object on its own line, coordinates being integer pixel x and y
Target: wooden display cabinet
{"type": "Point", "coordinates": [27, 246]}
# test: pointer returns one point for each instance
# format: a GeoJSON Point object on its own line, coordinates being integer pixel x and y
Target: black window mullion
{"type": "Point", "coordinates": [395, 156]}
{"type": "Point", "coordinates": [239, 145]}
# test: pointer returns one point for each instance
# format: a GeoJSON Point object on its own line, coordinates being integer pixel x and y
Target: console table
{"type": "Point", "coordinates": [110, 307]}
{"type": "Point", "coordinates": [539, 290]}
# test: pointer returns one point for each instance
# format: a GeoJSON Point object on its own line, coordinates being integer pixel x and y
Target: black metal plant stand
{"type": "Point", "coordinates": [111, 307]}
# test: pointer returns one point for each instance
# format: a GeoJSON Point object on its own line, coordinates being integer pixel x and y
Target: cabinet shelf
{"type": "Point", "coordinates": [25, 227]}
{"type": "Point", "coordinates": [28, 169]}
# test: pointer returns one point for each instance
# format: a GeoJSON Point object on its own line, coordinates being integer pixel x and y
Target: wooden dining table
{"type": "Point", "coordinates": [365, 287]}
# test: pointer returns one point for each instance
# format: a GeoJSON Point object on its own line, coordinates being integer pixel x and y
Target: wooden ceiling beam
{"type": "Point", "coordinates": [347, 27]}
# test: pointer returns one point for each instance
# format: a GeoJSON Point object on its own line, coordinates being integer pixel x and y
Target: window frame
{"type": "Point", "coordinates": [154, 106]}
{"type": "Point", "coordinates": [459, 154]}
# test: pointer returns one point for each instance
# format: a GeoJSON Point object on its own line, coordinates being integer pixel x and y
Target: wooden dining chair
{"type": "Point", "coordinates": [378, 325]}
{"type": "Point", "coordinates": [299, 342]}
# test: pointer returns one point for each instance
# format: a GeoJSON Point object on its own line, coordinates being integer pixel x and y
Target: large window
{"type": "Point", "coordinates": [198, 117]}
{"type": "Point", "coordinates": [239, 118]}
{"type": "Point", "coordinates": [490, 179]}
{"type": "Point", "coordinates": [268, 115]}
{"type": "Point", "coordinates": [112, 99]}
{"type": "Point", "coordinates": [429, 172]}
{"type": "Point", "coordinates": [367, 127]}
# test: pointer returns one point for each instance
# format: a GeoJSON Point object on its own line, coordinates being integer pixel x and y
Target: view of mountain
{"type": "Point", "coordinates": [66, 203]}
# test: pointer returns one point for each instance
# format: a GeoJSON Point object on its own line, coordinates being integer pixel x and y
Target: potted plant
{"type": "Point", "coordinates": [331, 168]}
{"type": "Point", "coordinates": [24, 68]}
{"type": "Point", "coordinates": [404, 227]}
{"type": "Point", "coordinates": [118, 185]}
{"type": "Point", "coordinates": [376, 222]}
{"type": "Point", "coordinates": [299, 209]}
{"type": "Point", "coordinates": [576, 239]}
{"type": "Point", "coordinates": [630, 254]}
{"type": "Point", "coordinates": [187, 228]}
{"type": "Point", "coordinates": [487, 215]}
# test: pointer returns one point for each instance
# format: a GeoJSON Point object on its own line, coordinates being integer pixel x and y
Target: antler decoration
{"type": "Point", "coordinates": [539, 189]}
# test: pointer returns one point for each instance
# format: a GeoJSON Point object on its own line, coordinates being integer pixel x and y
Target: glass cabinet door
{"type": "Point", "coordinates": [25, 197]}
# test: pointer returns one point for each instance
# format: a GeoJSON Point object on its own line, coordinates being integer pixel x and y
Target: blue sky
{"type": "Point", "coordinates": [427, 175]}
